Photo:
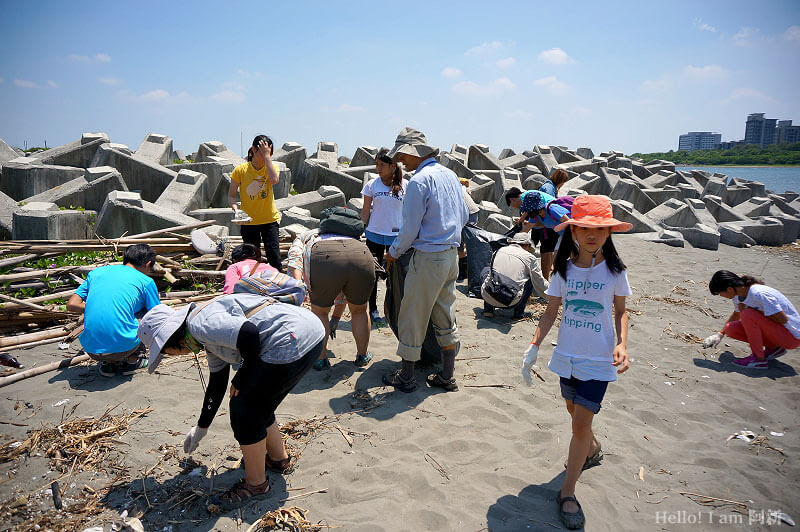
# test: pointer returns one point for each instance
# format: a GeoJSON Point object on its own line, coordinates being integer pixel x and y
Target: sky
{"type": "Point", "coordinates": [629, 76]}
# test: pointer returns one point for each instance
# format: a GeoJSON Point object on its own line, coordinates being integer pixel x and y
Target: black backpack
{"type": "Point", "coordinates": [341, 221]}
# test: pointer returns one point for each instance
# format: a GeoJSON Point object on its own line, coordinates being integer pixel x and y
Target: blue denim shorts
{"type": "Point", "coordinates": [589, 394]}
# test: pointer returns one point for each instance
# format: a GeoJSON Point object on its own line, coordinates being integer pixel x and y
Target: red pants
{"type": "Point", "coordinates": [760, 331]}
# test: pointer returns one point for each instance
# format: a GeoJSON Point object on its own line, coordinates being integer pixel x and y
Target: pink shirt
{"type": "Point", "coordinates": [242, 269]}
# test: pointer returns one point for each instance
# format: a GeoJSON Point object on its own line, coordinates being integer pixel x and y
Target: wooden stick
{"type": "Point", "coordinates": [489, 386]}
{"type": "Point", "coordinates": [166, 260]}
{"type": "Point", "coordinates": [41, 342]}
{"type": "Point", "coordinates": [175, 229]}
{"type": "Point", "coordinates": [67, 243]}
{"type": "Point", "coordinates": [713, 498]}
{"type": "Point", "coordinates": [10, 341]}
{"type": "Point", "coordinates": [22, 302]}
{"type": "Point", "coordinates": [13, 261]}
{"type": "Point", "coordinates": [344, 434]}
{"type": "Point", "coordinates": [59, 364]}
{"type": "Point", "coordinates": [303, 495]}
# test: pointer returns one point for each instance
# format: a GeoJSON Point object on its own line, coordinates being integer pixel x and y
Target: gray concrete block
{"type": "Point", "coordinates": [715, 187]}
{"type": "Point", "coordinates": [364, 156]}
{"type": "Point", "coordinates": [78, 154]}
{"type": "Point", "coordinates": [564, 156]}
{"type": "Point", "coordinates": [317, 174]}
{"type": "Point", "coordinates": [660, 195]}
{"type": "Point", "coordinates": [156, 148]}
{"type": "Point", "coordinates": [292, 155]}
{"type": "Point", "coordinates": [505, 153]}
{"type": "Point", "coordinates": [189, 190]}
{"type": "Point", "coordinates": [217, 172]}
{"type": "Point", "coordinates": [359, 172]}
{"type": "Point", "coordinates": [754, 207]}
{"type": "Point", "coordinates": [737, 194]}
{"type": "Point", "coordinates": [533, 182]}
{"type": "Point", "coordinates": [509, 179]}
{"type": "Point", "coordinates": [546, 160]}
{"type": "Point", "coordinates": [481, 188]}
{"type": "Point", "coordinates": [701, 176]}
{"type": "Point", "coordinates": [329, 153]}
{"type": "Point", "coordinates": [720, 211]}
{"type": "Point", "coordinates": [357, 204]}
{"type": "Point", "coordinates": [699, 236]}
{"type": "Point", "coordinates": [687, 191]}
{"type": "Point", "coordinates": [50, 223]}
{"type": "Point", "coordinates": [7, 153]}
{"type": "Point", "coordinates": [580, 166]}
{"type": "Point", "coordinates": [480, 158]}
{"type": "Point", "coordinates": [586, 153]}
{"type": "Point", "coordinates": [145, 177]}
{"type": "Point", "coordinates": [222, 215]}
{"type": "Point", "coordinates": [661, 179]}
{"type": "Point", "coordinates": [448, 160]}
{"type": "Point", "coordinates": [764, 231]}
{"type": "Point", "coordinates": [731, 234]}
{"type": "Point", "coordinates": [511, 161]}
{"type": "Point", "coordinates": [216, 152]}
{"type": "Point", "coordinates": [459, 152]}
{"type": "Point", "coordinates": [8, 206]}
{"type": "Point", "coordinates": [674, 213]}
{"type": "Point", "coordinates": [315, 201]}
{"type": "Point", "coordinates": [670, 238]}
{"type": "Point", "coordinates": [624, 211]}
{"type": "Point", "coordinates": [629, 190]}
{"type": "Point", "coordinates": [530, 170]}
{"type": "Point", "coordinates": [657, 165]}
{"type": "Point", "coordinates": [128, 212]}
{"type": "Point", "coordinates": [621, 162]}
{"type": "Point", "coordinates": [299, 216]}
{"type": "Point", "coordinates": [639, 170]}
{"type": "Point", "coordinates": [757, 189]}
{"type": "Point", "coordinates": [89, 191]}
{"type": "Point", "coordinates": [780, 202]}
{"type": "Point", "coordinates": [497, 223]}
{"type": "Point", "coordinates": [789, 196]}
{"type": "Point", "coordinates": [487, 209]}
{"type": "Point", "coordinates": [23, 179]}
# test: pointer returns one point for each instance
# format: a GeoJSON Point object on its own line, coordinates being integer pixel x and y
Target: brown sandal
{"type": "Point", "coordinates": [283, 467]}
{"type": "Point", "coordinates": [238, 495]}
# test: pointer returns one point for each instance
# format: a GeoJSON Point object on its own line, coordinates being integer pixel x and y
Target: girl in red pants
{"type": "Point", "coordinates": [762, 317]}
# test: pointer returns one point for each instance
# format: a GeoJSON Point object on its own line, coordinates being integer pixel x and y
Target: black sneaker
{"type": "Point", "coordinates": [129, 368]}
{"type": "Point", "coordinates": [108, 369]}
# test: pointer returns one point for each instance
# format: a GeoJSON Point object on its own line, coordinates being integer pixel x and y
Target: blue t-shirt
{"type": "Point", "coordinates": [548, 188]}
{"type": "Point", "coordinates": [114, 296]}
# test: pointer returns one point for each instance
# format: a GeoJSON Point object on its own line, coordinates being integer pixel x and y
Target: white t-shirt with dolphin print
{"type": "Point", "coordinates": [587, 317]}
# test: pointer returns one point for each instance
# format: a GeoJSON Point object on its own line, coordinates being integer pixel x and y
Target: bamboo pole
{"type": "Point", "coordinates": [59, 364]}
{"type": "Point", "coordinates": [41, 248]}
{"type": "Point", "coordinates": [42, 342]}
{"type": "Point", "coordinates": [10, 341]}
{"type": "Point", "coordinates": [174, 229]}
{"type": "Point", "coordinates": [110, 242]}
{"type": "Point", "coordinates": [22, 302]}
{"type": "Point", "coordinates": [13, 261]}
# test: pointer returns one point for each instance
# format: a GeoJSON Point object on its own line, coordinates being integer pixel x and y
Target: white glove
{"type": "Point", "coordinates": [712, 341]}
{"type": "Point", "coordinates": [193, 438]}
{"type": "Point", "coordinates": [528, 361]}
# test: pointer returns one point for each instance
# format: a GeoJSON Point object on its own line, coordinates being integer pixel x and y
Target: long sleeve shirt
{"type": "Point", "coordinates": [434, 212]}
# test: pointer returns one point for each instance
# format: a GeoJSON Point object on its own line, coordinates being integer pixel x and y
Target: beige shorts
{"type": "Point", "coordinates": [341, 265]}
{"type": "Point", "coordinates": [118, 357]}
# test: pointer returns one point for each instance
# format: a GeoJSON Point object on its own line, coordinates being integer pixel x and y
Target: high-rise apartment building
{"type": "Point", "coordinates": [786, 133]}
{"type": "Point", "coordinates": [698, 140]}
{"type": "Point", "coordinates": [760, 130]}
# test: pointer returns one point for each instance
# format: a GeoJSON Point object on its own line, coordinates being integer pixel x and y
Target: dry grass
{"type": "Point", "coordinates": [292, 519]}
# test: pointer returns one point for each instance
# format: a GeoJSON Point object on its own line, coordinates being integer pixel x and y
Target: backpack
{"type": "Point", "coordinates": [341, 221]}
{"type": "Point", "coordinates": [273, 284]}
{"type": "Point", "coordinates": [501, 288]}
{"type": "Point", "coordinates": [562, 201]}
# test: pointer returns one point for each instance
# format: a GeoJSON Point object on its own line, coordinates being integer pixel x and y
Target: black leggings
{"type": "Point", "coordinates": [254, 234]}
{"type": "Point", "coordinates": [377, 251]}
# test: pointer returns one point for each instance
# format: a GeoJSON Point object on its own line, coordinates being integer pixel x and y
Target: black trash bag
{"type": "Point", "coordinates": [480, 246]}
{"type": "Point", "coordinates": [395, 284]}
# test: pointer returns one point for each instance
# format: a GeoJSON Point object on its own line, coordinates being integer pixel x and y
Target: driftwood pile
{"type": "Point", "coordinates": [42, 318]}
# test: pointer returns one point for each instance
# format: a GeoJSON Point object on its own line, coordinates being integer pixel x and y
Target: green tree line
{"type": "Point", "coordinates": [745, 154]}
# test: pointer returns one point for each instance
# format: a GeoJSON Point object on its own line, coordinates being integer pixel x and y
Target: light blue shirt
{"type": "Point", "coordinates": [115, 295]}
{"type": "Point", "coordinates": [434, 213]}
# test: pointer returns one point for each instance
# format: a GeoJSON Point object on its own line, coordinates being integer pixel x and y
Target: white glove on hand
{"type": "Point", "coordinates": [529, 359]}
{"type": "Point", "coordinates": [712, 341]}
{"type": "Point", "coordinates": [193, 438]}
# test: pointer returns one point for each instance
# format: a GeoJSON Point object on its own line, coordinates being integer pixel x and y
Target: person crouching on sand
{"type": "Point", "coordinates": [591, 280]}
{"type": "Point", "coordinates": [275, 343]}
{"type": "Point", "coordinates": [762, 317]}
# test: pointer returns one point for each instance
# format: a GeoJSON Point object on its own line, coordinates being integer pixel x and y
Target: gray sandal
{"type": "Point", "coordinates": [573, 521]}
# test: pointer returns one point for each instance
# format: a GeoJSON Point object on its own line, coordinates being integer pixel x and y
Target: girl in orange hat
{"type": "Point", "coordinates": [590, 278]}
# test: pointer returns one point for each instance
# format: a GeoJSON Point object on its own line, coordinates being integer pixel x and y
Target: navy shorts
{"type": "Point", "coordinates": [589, 394]}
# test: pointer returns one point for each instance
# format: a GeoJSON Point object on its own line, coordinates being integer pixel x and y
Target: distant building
{"type": "Point", "coordinates": [786, 133]}
{"type": "Point", "coordinates": [698, 140]}
{"type": "Point", "coordinates": [728, 144]}
{"type": "Point", "coordinates": [760, 130]}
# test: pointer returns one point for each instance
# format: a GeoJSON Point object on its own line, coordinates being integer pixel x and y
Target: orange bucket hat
{"type": "Point", "coordinates": [594, 211]}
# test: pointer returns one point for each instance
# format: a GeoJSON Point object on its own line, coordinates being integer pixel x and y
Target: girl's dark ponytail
{"type": "Point", "coordinates": [397, 180]}
{"type": "Point", "coordinates": [724, 279]}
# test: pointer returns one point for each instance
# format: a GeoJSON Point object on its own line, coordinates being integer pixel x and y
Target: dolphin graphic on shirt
{"type": "Point", "coordinates": [583, 307]}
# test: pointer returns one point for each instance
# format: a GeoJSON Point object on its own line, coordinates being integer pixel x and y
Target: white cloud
{"type": "Point", "coordinates": [705, 72]}
{"type": "Point", "coordinates": [52, 84]}
{"type": "Point", "coordinates": [247, 75]}
{"type": "Point", "coordinates": [702, 26]}
{"type": "Point", "coordinates": [229, 96]}
{"type": "Point", "coordinates": [25, 84]}
{"type": "Point", "coordinates": [553, 85]}
{"type": "Point", "coordinates": [745, 36]}
{"type": "Point", "coordinates": [111, 82]}
{"type": "Point", "coordinates": [792, 34]}
{"type": "Point", "coordinates": [470, 88]}
{"type": "Point", "coordinates": [154, 96]}
{"type": "Point", "coordinates": [506, 63]}
{"type": "Point", "coordinates": [485, 48]}
{"type": "Point", "coordinates": [656, 85]}
{"type": "Point", "coordinates": [348, 108]}
{"type": "Point", "coordinates": [746, 93]}
{"type": "Point", "coordinates": [450, 72]}
{"type": "Point", "coordinates": [554, 56]}
{"type": "Point", "coordinates": [98, 58]}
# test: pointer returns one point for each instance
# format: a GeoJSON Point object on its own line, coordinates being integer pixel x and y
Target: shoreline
{"type": "Point", "coordinates": [738, 165]}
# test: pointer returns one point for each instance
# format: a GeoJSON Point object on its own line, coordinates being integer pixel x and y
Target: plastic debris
{"type": "Point", "coordinates": [7, 359]}
{"type": "Point", "coordinates": [773, 433]}
{"type": "Point", "coordinates": [745, 435]}
{"type": "Point", "coordinates": [777, 515]}
{"type": "Point", "coordinates": [669, 383]}
{"type": "Point", "coordinates": [61, 403]}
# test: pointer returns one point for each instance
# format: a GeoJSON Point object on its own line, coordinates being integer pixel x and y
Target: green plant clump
{"type": "Point", "coordinates": [742, 155]}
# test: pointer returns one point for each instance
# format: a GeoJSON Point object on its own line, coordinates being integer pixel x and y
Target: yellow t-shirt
{"type": "Point", "coordinates": [255, 193]}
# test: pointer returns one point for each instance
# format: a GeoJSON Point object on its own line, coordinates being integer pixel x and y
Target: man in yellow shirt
{"type": "Point", "coordinates": [252, 182]}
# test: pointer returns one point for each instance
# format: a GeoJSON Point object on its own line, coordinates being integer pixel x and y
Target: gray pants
{"type": "Point", "coordinates": [429, 294]}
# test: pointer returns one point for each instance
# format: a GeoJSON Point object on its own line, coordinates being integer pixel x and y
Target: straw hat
{"type": "Point", "coordinates": [412, 142]}
{"type": "Point", "coordinates": [594, 211]}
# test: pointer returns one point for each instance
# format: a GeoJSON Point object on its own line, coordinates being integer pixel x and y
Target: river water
{"type": "Point", "coordinates": [776, 178]}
